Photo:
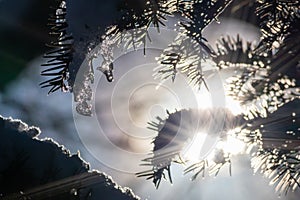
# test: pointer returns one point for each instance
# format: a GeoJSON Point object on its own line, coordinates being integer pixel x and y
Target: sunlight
{"type": "Point", "coordinates": [233, 105]}
{"type": "Point", "coordinates": [203, 98]}
{"type": "Point", "coordinates": [232, 145]}
{"type": "Point", "coordinates": [193, 150]}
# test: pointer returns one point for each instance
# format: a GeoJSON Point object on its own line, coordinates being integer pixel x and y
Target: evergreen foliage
{"type": "Point", "coordinates": [266, 86]}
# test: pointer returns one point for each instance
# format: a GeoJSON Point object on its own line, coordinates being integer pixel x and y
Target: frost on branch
{"type": "Point", "coordinates": [73, 44]}
{"type": "Point", "coordinates": [274, 142]}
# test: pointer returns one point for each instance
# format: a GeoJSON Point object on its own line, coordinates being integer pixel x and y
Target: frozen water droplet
{"type": "Point", "coordinates": [73, 191]}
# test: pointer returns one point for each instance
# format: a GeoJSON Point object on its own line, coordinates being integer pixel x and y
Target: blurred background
{"type": "Point", "coordinates": [23, 35]}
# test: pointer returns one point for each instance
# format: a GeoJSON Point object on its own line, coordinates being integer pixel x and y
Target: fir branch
{"type": "Point", "coordinates": [234, 52]}
{"type": "Point", "coordinates": [184, 56]}
{"type": "Point", "coordinates": [281, 166]}
{"type": "Point", "coordinates": [241, 86]}
{"type": "Point", "coordinates": [251, 68]}
{"type": "Point", "coordinates": [276, 17]}
{"type": "Point", "coordinates": [286, 59]}
{"type": "Point", "coordinates": [282, 124]}
{"type": "Point", "coordinates": [264, 86]}
{"type": "Point", "coordinates": [131, 30]}
{"type": "Point", "coordinates": [186, 52]}
{"type": "Point", "coordinates": [277, 140]}
{"type": "Point", "coordinates": [213, 166]}
{"type": "Point", "coordinates": [176, 132]}
{"type": "Point", "coordinates": [60, 57]}
{"type": "Point", "coordinates": [275, 95]}
{"type": "Point", "coordinates": [199, 14]}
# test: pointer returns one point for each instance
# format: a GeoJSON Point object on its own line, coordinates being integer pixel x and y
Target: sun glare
{"type": "Point", "coordinates": [193, 150]}
{"type": "Point", "coordinates": [232, 145]}
{"type": "Point", "coordinates": [233, 105]}
{"type": "Point", "coordinates": [203, 98]}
